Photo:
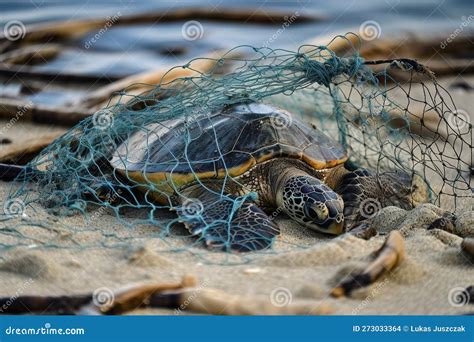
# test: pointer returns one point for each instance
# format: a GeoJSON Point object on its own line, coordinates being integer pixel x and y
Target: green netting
{"type": "Point", "coordinates": [385, 124]}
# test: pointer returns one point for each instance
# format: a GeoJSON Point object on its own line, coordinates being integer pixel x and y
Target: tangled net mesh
{"type": "Point", "coordinates": [384, 124]}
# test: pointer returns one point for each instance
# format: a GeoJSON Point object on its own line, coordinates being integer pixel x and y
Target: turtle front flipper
{"type": "Point", "coordinates": [226, 222]}
{"type": "Point", "coordinates": [365, 193]}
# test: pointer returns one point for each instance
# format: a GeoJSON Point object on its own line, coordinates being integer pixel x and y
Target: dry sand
{"type": "Point", "coordinates": [422, 284]}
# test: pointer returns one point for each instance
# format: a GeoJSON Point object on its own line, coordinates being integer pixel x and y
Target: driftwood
{"type": "Point", "coordinates": [141, 83]}
{"type": "Point", "coordinates": [217, 302]}
{"type": "Point", "coordinates": [15, 109]}
{"type": "Point", "coordinates": [74, 29]}
{"type": "Point", "coordinates": [179, 296]}
{"type": "Point", "coordinates": [25, 74]}
{"type": "Point", "coordinates": [427, 51]}
{"type": "Point", "coordinates": [27, 150]}
{"type": "Point", "coordinates": [43, 42]}
{"type": "Point", "coordinates": [31, 55]}
{"type": "Point", "coordinates": [467, 246]}
{"type": "Point", "coordinates": [133, 297]}
{"type": "Point", "coordinates": [417, 47]}
{"type": "Point", "coordinates": [9, 172]}
{"type": "Point", "coordinates": [123, 300]}
{"type": "Point", "coordinates": [448, 61]}
{"type": "Point", "coordinates": [38, 43]}
{"type": "Point", "coordinates": [386, 259]}
{"type": "Point", "coordinates": [134, 85]}
{"type": "Point", "coordinates": [442, 60]}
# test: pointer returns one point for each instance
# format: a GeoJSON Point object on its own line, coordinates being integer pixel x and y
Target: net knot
{"type": "Point", "coordinates": [325, 72]}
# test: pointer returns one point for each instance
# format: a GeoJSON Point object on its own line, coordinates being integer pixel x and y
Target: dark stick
{"type": "Point", "coordinates": [404, 64]}
{"type": "Point", "coordinates": [9, 172]}
{"type": "Point", "coordinates": [63, 305]}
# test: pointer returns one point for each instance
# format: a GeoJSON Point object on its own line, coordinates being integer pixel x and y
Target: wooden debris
{"type": "Point", "coordinates": [31, 55]}
{"type": "Point", "coordinates": [123, 300]}
{"type": "Point", "coordinates": [86, 106]}
{"type": "Point", "coordinates": [216, 302]}
{"type": "Point", "coordinates": [415, 47]}
{"type": "Point", "coordinates": [21, 110]}
{"type": "Point", "coordinates": [467, 246]}
{"type": "Point", "coordinates": [450, 60]}
{"type": "Point", "coordinates": [185, 295]}
{"type": "Point", "coordinates": [62, 305]}
{"type": "Point", "coordinates": [447, 61]}
{"type": "Point", "coordinates": [77, 28]}
{"type": "Point", "coordinates": [26, 74]}
{"type": "Point", "coordinates": [10, 172]}
{"type": "Point", "coordinates": [254, 270]}
{"type": "Point", "coordinates": [386, 259]}
{"type": "Point", "coordinates": [463, 85]}
{"type": "Point", "coordinates": [27, 150]}
{"type": "Point", "coordinates": [131, 298]}
{"type": "Point", "coordinates": [141, 83]}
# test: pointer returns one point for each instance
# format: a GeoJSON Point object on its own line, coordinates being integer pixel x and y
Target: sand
{"type": "Point", "coordinates": [304, 265]}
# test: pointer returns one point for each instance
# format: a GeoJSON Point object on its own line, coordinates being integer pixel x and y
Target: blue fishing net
{"type": "Point", "coordinates": [104, 184]}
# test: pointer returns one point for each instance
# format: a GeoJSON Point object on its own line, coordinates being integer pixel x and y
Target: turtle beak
{"type": "Point", "coordinates": [336, 228]}
{"type": "Point", "coordinates": [336, 217]}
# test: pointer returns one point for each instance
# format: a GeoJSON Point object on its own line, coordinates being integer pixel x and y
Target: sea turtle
{"type": "Point", "coordinates": [206, 168]}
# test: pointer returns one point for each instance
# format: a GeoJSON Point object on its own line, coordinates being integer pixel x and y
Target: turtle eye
{"type": "Point", "coordinates": [317, 211]}
{"type": "Point", "coordinates": [310, 213]}
{"type": "Point", "coordinates": [321, 210]}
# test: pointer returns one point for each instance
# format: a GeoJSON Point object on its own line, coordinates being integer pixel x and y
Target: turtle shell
{"type": "Point", "coordinates": [174, 153]}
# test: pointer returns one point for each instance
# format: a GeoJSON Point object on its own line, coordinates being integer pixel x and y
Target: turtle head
{"type": "Point", "coordinates": [307, 200]}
